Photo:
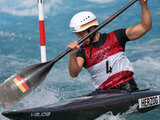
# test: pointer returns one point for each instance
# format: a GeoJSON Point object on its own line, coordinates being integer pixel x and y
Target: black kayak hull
{"type": "Point", "coordinates": [90, 107]}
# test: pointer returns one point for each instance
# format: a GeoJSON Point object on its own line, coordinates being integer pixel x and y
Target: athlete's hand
{"type": "Point", "coordinates": [142, 2]}
{"type": "Point", "coordinates": [75, 46]}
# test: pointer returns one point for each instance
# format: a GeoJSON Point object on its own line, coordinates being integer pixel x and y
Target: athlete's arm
{"type": "Point", "coordinates": [75, 63]}
{"type": "Point", "coordinates": [137, 31]}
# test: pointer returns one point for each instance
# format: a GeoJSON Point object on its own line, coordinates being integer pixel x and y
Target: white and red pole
{"type": "Point", "coordinates": [42, 32]}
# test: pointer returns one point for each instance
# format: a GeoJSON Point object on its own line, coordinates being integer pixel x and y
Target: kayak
{"type": "Point", "coordinates": [91, 106]}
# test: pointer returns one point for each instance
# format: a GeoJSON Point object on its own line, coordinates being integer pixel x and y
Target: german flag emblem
{"type": "Point", "coordinates": [88, 24]}
{"type": "Point", "coordinates": [21, 84]}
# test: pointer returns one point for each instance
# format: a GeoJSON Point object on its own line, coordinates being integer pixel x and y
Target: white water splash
{"type": "Point", "coordinates": [39, 97]}
{"type": "Point", "coordinates": [26, 7]}
{"type": "Point", "coordinates": [110, 116]}
{"type": "Point", "coordinates": [147, 72]}
{"type": "Point", "coordinates": [4, 34]}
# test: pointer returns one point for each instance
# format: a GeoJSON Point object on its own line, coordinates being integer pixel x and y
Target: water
{"type": "Point", "coordinates": [19, 47]}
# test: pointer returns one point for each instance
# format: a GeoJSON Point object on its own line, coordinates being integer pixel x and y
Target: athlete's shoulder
{"type": "Point", "coordinates": [121, 37]}
{"type": "Point", "coordinates": [121, 34]}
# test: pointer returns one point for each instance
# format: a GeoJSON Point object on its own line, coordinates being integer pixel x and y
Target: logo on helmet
{"type": "Point", "coordinates": [73, 29]}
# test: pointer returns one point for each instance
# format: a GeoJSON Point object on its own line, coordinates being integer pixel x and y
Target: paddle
{"type": "Point", "coordinates": [26, 80]}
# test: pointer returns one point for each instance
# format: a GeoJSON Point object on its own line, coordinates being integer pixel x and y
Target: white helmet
{"type": "Point", "coordinates": [82, 21]}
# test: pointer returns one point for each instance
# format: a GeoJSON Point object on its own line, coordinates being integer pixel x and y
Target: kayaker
{"type": "Point", "coordinates": [103, 55]}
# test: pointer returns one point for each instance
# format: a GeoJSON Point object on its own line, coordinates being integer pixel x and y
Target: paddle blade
{"type": "Point", "coordinates": [22, 83]}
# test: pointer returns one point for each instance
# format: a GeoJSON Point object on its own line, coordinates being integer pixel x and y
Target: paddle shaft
{"type": "Point", "coordinates": [96, 29]}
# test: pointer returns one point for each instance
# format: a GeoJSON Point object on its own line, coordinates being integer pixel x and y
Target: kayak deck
{"type": "Point", "coordinates": [90, 106]}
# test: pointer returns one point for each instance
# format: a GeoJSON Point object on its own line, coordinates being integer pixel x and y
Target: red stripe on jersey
{"type": "Point", "coordinates": [117, 79]}
{"type": "Point", "coordinates": [110, 47]}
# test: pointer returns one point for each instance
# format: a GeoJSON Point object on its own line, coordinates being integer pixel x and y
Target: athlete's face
{"type": "Point", "coordinates": [80, 35]}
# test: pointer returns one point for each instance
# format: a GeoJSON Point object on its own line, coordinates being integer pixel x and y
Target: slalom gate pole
{"type": "Point", "coordinates": [42, 32]}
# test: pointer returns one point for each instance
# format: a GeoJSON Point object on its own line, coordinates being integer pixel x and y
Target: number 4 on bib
{"type": "Point", "coordinates": [108, 68]}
